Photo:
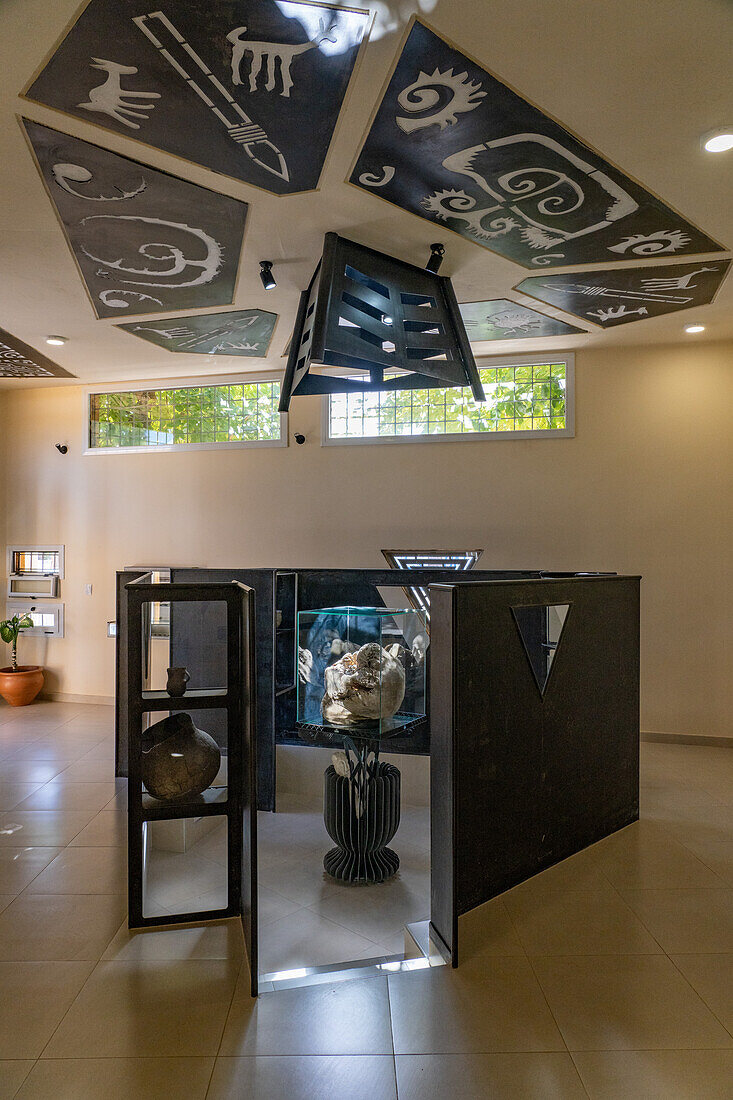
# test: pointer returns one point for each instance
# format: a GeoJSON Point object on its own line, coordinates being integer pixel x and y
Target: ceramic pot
{"type": "Point", "coordinates": [178, 760]}
{"type": "Point", "coordinates": [20, 686]}
{"type": "Point", "coordinates": [177, 680]}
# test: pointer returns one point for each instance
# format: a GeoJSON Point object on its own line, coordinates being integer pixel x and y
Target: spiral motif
{"type": "Point", "coordinates": [174, 256]}
{"type": "Point", "coordinates": [523, 183]}
{"type": "Point", "coordinates": [651, 248]}
{"type": "Point", "coordinates": [437, 99]}
{"type": "Point", "coordinates": [371, 179]}
{"type": "Point", "coordinates": [115, 299]}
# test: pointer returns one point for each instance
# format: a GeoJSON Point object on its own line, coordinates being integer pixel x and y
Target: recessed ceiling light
{"type": "Point", "coordinates": [694, 328]}
{"type": "Point", "coordinates": [57, 341]}
{"type": "Point", "coordinates": [718, 141]}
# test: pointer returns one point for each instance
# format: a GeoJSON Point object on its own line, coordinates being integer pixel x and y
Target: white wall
{"type": "Point", "coordinates": [644, 487]}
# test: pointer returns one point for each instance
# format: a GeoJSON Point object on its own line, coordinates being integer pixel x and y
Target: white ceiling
{"type": "Point", "coordinates": [639, 82]}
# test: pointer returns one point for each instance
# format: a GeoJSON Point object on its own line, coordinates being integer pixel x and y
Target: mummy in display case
{"type": "Point", "coordinates": [361, 669]}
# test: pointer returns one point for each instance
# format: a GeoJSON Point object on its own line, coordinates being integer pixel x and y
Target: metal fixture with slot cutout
{"type": "Point", "coordinates": [388, 324]}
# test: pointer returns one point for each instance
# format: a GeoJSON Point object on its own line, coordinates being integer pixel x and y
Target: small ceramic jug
{"type": "Point", "coordinates": [177, 680]}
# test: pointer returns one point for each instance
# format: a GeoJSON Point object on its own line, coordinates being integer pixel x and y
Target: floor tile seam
{"type": "Point", "coordinates": [68, 1008]}
{"type": "Point", "coordinates": [577, 1070]}
{"type": "Point", "coordinates": [243, 962]}
{"type": "Point", "coordinates": [727, 1030]}
{"type": "Point", "coordinates": [704, 858]}
{"type": "Point", "coordinates": [72, 893]}
{"type": "Point", "coordinates": [541, 988]}
{"type": "Point", "coordinates": [635, 915]}
{"type": "Point", "coordinates": [390, 1016]}
{"type": "Point", "coordinates": [344, 927]}
{"type": "Point", "coordinates": [724, 888]}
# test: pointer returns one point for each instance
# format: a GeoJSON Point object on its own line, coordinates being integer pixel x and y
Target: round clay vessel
{"type": "Point", "coordinates": [181, 761]}
{"type": "Point", "coordinates": [19, 687]}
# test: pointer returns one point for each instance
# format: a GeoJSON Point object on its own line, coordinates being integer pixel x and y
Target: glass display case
{"type": "Point", "coordinates": [361, 670]}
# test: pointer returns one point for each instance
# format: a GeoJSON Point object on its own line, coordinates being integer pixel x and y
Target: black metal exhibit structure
{"type": "Point", "coordinates": [369, 312]}
{"type": "Point", "coordinates": [541, 772]}
{"type": "Point", "coordinates": [532, 722]}
{"type": "Point", "coordinates": [229, 691]}
{"type": "Point", "coordinates": [279, 595]}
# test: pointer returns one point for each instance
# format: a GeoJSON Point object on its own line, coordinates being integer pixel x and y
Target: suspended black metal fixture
{"type": "Point", "coordinates": [367, 312]}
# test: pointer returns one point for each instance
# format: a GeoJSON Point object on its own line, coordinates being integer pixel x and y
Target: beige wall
{"type": "Point", "coordinates": [644, 487]}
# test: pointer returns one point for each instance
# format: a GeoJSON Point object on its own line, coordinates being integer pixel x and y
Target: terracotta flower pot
{"type": "Point", "coordinates": [20, 686]}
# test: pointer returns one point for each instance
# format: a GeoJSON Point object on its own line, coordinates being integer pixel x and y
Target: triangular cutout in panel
{"type": "Point", "coordinates": [540, 628]}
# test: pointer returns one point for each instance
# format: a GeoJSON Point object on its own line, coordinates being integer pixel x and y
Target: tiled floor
{"type": "Point", "coordinates": [609, 976]}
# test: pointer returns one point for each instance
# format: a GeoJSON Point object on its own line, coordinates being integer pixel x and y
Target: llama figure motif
{"type": "Point", "coordinates": [267, 54]}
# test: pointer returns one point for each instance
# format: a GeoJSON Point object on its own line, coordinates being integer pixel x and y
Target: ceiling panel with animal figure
{"type": "Point", "coordinates": [617, 297]}
{"type": "Point", "coordinates": [248, 88]}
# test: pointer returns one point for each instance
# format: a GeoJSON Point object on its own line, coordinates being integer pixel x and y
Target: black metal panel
{"type": "Point", "coordinates": [247, 674]}
{"type": "Point", "coordinates": [367, 311]}
{"type": "Point", "coordinates": [610, 298]}
{"type": "Point", "coordinates": [443, 910]}
{"type": "Point", "coordinates": [20, 360]}
{"type": "Point", "coordinates": [453, 144]}
{"type": "Point", "coordinates": [245, 332]}
{"type": "Point", "coordinates": [199, 655]}
{"type": "Point", "coordinates": [502, 319]}
{"type": "Point", "coordinates": [535, 778]}
{"type": "Point", "coordinates": [143, 240]}
{"type": "Point", "coordinates": [248, 88]}
{"type": "Point", "coordinates": [122, 578]}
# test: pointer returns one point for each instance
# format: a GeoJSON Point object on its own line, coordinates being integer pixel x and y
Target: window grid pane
{"type": "Point", "coordinates": [192, 414]}
{"type": "Point", "coordinates": [526, 397]}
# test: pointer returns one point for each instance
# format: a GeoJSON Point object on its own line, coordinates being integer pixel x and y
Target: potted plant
{"type": "Point", "coordinates": [19, 684]}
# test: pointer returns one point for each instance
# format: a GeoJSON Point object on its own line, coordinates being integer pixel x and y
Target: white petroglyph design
{"type": "Point", "coordinates": [529, 199]}
{"type": "Point", "coordinates": [445, 95]}
{"type": "Point", "coordinates": [609, 292]}
{"type": "Point", "coordinates": [188, 340]}
{"type": "Point", "coordinates": [167, 333]}
{"type": "Point", "coordinates": [652, 244]}
{"type": "Point", "coordinates": [543, 261]}
{"type": "Point", "coordinates": [515, 322]}
{"type": "Point", "coordinates": [116, 299]}
{"type": "Point", "coordinates": [463, 208]}
{"type": "Point", "coordinates": [110, 98]}
{"type": "Point", "coordinates": [681, 283]}
{"type": "Point", "coordinates": [371, 179]}
{"type": "Point", "coordinates": [241, 129]}
{"type": "Point", "coordinates": [161, 252]}
{"type": "Point", "coordinates": [66, 174]}
{"type": "Point", "coordinates": [265, 57]}
{"type": "Point", "coordinates": [614, 312]}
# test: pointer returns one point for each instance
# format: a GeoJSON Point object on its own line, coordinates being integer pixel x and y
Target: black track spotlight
{"type": "Point", "coordinates": [268, 279]}
{"type": "Point", "coordinates": [437, 252]}
{"type": "Point", "coordinates": [62, 448]}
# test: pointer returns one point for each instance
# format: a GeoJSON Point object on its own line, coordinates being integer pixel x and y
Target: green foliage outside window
{"type": "Point", "coordinates": [194, 414]}
{"type": "Point", "coordinates": [518, 398]}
